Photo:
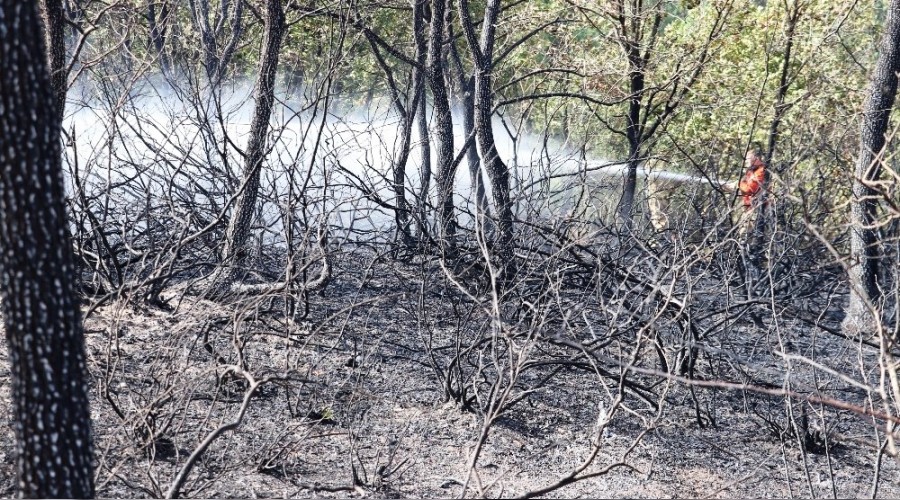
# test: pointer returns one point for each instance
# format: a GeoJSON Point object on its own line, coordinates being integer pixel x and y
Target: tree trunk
{"type": "Point", "coordinates": [864, 292]}
{"type": "Point", "coordinates": [157, 26]}
{"type": "Point", "coordinates": [634, 134]}
{"type": "Point", "coordinates": [407, 118]}
{"type": "Point", "coordinates": [466, 91]}
{"type": "Point", "coordinates": [424, 167]}
{"type": "Point", "coordinates": [482, 52]}
{"type": "Point", "coordinates": [40, 310]}
{"type": "Point", "coordinates": [481, 200]}
{"type": "Point", "coordinates": [55, 38]}
{"type": "Point", "coordinates": [238, 233]}
{"type": "Point", "coordinates": [763, 219]}
{"type": "Point", "coordinates": [237, 28]}
{"type": "Point", "coordinates": [420, 37]}
{"type": "Point", "coordinates": [626, 205]}
{"type": "Point", "coordinates": [406, 110]}
{"type": "Point", "coordinates": [215, 63]}
{"type": "Point", "coordinates": [446, 168]}
{"type": "Point", "coordinates": [200, 16]}
{"type": "Point", "coordinates": [401, 210]}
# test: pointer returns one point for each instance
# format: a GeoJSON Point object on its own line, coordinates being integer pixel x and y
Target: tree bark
{"type": "Point", "coordinates": [864, 292]}
{"type": "Point", "coordinates": [420, 36]}
{"type": "Point", "coordinates": [634, 133]}
{"type": "Point", "coordinates": [41, 315]}
{"type": "Point", "coordinates": [158, 30]}
{"type": "Point", "coordinates": [399, 170]}
{"type": "Point", "coordinates": [424, 167]}
{"type": "Point", "coordinates": [444, 137]}
{"type": "Point", "coordinates": [466, 89]}
{"type": "Point", "coordinates": [237, 28]}
{"type": "Point", "coordinates": [200, 16]}
{"type": "Point", "coordinates": [238, 233]}
{"type": "Point", "coordinates": [482, 52]}
{"type": "Point", "coordinates": [406, 109]}
{"type": "Point", "coordinates": [54, 16]}
{"type": "Point", "coordinates": [215, 63]}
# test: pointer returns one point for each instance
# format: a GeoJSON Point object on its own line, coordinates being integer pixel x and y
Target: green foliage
{"type": "Point", "coordinates": [729, 104]}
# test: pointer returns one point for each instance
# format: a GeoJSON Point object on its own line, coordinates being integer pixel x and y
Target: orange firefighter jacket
{"type": "Point", "coordinates": [752, 182]}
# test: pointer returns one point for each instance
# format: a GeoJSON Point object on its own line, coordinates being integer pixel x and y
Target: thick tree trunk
{"type": "Point", "coordinates": [863, 242]}
{"type": "Point", "coordinates": [444, 136]}
{"type": "Point", "coordinates": [238, 233]}
{"type": "Point", "coordinates": [55, 39]}
{"type": "Point", "coordinates": [42, 320]}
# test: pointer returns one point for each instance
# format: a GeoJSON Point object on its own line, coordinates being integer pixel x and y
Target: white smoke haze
{"type": "Point", "coordinates": [161, 142]}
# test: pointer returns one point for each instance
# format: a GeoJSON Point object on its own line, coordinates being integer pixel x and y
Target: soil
{"type": "Point", "coordinates": [356, 408]}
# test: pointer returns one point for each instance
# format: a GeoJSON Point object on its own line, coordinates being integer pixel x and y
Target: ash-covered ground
{"type": "Point", "coordinates": [395, 383]}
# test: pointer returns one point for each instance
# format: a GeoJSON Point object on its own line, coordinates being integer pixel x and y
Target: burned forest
{"type": "Point", "coordinates": [449, 248]}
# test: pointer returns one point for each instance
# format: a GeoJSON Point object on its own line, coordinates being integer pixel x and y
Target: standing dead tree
{"type": "Point", "coordinates": [481, 51]}
{"type": "Point", "coordinates": [238, 234]}
{"type": "Point", "coordinates": [42, 318]}
{"type": "Point", "coordinates": [863, 273]}
{"type": "Point", "coordinates": [446, 166]}
{"type": "Point", "coordinates": [464, 84]}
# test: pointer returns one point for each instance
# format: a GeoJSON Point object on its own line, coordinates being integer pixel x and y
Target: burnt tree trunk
{"type": "Point", "coordinates": [215, 63]}
{"type": "Point", "coordinates": [158, 27]}
{"type": "Point", "coordinates": [41, 315]}
{"type": "Point", "coordinates": [634, 133]}
{"type": "Point", "coordinates": [444, 135]}
{"type": "Point", "coordinates": [482, 52]}
{"type": "Point", "coordinates": [237, 28]}
{"type": "Point", "coordinates": [466, 90]}
{"type": "Point", "coordinates": [402, 212]}
{"type": "Point", "coordinates": [420, 36]}
{"type": "Point", "coordinates": [424, 167]}
{"type": "Point", "coordinates": [200, 16]}
{"type": "Point", "coordinates": [863, 274]}
{"type": "Point", "coordinates": [638, 45]}
{"type": "Point", "coordinates": [238, 232]}
{"type": "Point", "coordinates": [55, 39]}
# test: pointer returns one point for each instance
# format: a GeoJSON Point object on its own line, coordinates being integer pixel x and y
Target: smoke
{"type": "Point", "coordinates": [157, 134]}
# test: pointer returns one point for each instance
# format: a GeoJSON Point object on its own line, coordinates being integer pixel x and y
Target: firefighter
{"type": "Point", "coordinates": [752, 183]}
{"type": "Point", "coordinates": [751, 187]}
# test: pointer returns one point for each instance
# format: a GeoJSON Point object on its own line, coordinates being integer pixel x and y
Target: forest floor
{"type": "Point", "coordinates": [356, 408]}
